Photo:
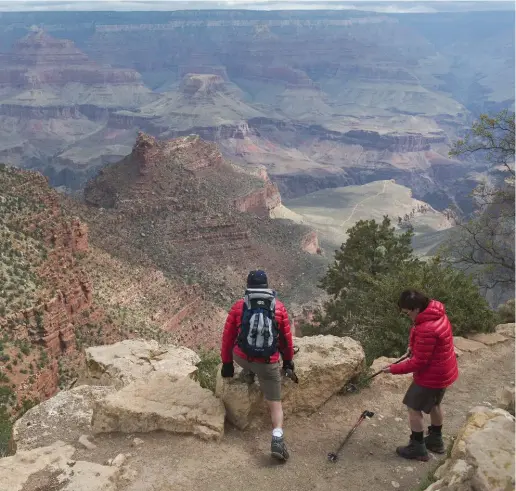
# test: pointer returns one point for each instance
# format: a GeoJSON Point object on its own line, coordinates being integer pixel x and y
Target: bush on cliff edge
{"type": "Point", "coordinates": [370, 270]}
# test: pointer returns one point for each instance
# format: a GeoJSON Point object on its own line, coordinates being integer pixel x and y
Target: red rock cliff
{"type": "Point", "coordinates": [261, 201]}
{"type": "Point", "coordinates": [39, 59]}
{"type": "Point", "coordinates": [310, 243]}
{"type": "Point", "coordinates": [63, 296]}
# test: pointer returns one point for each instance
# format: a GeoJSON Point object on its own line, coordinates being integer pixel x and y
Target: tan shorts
{"type": "Point", "coordinates": [269, 377]}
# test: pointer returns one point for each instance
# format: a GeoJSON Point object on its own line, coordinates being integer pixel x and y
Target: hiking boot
{"type": "Point", "coordinates": [414, 451]}
{"type": "Point", "coordinates": [248, 377]}
{"type": "Point", "coordinates": [279, 448]}
{"type": "Point", "coordinates": [434, 442]}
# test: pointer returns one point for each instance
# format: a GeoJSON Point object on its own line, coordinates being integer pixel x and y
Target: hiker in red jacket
{"type": "Point", "coordinates": [434, 365]}
{"type": "Point", "coordinates": [257, 330]}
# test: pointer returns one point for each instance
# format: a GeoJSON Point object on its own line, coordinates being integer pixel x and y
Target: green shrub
{"type": "Point", "coordinates": [7, 395]}
{"type": "Point", "coordinates": [370, 271]}
{"type": "Point", "coordinates": [26, 405]}
{"type": "Point", "coordinates": [25, 348]}
{"type": "Point", "coordinates": [207, 369]}
{"type": "Point", "coordinates": [5, 431]}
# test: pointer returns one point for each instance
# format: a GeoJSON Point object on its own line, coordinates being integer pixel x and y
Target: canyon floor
{"type": "Point", "coordinates": [368, 462]}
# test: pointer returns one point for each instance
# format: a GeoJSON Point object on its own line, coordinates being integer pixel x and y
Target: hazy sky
{"type": "Point", "coordinates": [376, 5]}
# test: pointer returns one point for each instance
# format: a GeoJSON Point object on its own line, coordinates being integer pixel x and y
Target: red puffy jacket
{"type": "Point", "coordinates": [433, 359]}
{"type": "Point", "coordinates": [231, 328]}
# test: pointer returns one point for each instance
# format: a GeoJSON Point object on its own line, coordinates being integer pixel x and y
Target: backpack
{"type": "Point", "coordinates": [259, 333]}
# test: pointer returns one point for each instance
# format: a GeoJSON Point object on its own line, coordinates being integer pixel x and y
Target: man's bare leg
{"type": "Point", "coordinates": [278, 447]}
{"type": "Point", "coordinates": [276, 410]}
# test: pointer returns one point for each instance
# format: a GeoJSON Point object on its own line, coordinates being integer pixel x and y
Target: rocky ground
{"type": "Point", "coordinates": [162, 461]}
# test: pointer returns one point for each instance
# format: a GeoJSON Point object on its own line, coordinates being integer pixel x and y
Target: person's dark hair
{"type": "Point", "coordinates": [257, 279]}
{"type": "Point", "coordinates": [412, 299]}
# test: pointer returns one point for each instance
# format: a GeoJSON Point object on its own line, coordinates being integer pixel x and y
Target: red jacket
{"type": "Point", "coordinates": [433, 359]}
{"type": "Point", "coordinates": [231, 329]}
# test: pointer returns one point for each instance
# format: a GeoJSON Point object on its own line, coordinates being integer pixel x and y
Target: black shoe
{"type": "Point", "coordinates": [414, 451]}
{"type": "Point", "coordinates": [434, 442]}
{"type": "Point", "coordinates": [279, 448]}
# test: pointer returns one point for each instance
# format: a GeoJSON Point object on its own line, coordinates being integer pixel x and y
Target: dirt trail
{"type": "Point", "coordinates": [368, 462]}
{"type": "Point", "coordinates": [362, 202]}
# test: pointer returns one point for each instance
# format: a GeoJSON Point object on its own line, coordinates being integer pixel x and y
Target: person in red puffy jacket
{"type": "Point", "coordinates": [434, 365]}
{"type": "Point", "coordinates": [267, 368]}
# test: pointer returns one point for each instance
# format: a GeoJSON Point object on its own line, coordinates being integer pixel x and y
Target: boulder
{"type": "Point", "coordinates": [122, 363]}
{"type": "Point", "coordinates": [52, 467]}
{"type": "Point", "coordinates": [243, 402]}
{"type": "Point", "coordinates": [482, 457]}
{"type": "Point", "coordinates": [65, 417]}
{"type": "Point", "coordinates": [467, 345]}
{"type": "Point", "coordinates": [489, 339]}
{"type": "Point", "coordinates": [161, 402]}
{"type": "Point", "coordinates": [506, 330]}
{"type": "Point", "coordinates": [324, 366]}
{"type": "Point", "coordinates": [505, 398]}
{"type": "Point", "coordinates": [386, 379]}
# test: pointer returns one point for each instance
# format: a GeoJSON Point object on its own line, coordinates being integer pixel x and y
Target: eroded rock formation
{"type": "Point", "coordinates": [482, 457]}
{"type": "Point", "coordinates": [324, 365]}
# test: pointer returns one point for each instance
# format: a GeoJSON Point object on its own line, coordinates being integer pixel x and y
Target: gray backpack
{"type": "Point", "coordinates": [259, 333]}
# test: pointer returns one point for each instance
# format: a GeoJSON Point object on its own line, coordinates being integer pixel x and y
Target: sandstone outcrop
{"type": "Point", "coordinates": [506, 330]}
{"type": "Point", "coordinates": [65, 417]}
{"type": "Point", "coordinates": [51, 466]}
{"type": "Point", "coordinates": [489, 339]}
{"type": "Point", "coordinates": [467, 345]}
{"type": "Point", "coordinates": [161, 402]}
{"type": "Point", "coordinates": [324, 365]}
{"type": "Point", "coordinates": [121, 363]}
{"type": "Point", "coordinates": [482, 457]}
{"type": "Point", "coordinates": [387, 380]}
{"type": "Point", "coordinates": [506, 399]}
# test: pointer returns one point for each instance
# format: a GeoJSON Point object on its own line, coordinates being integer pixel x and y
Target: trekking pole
{"type": "Point", "coordinates": [353, 388]}
{"type": "Point", "coordinates": [403, 358]}
{"type": "Point", "coordinates": [333, 456]}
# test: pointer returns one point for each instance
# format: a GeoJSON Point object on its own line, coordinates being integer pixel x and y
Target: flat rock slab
{"type": "Point", "coordinates": [324, 366]}
{"type": "Point", "coordinates": [65, 417]}
{"type": "Point", "coordinates": [121, 363]}
{"type": "Point", "coordinates": [467, 345]}
{"type": "Point", "coordinates": [489, 339]}
{"type": "Point", "coordinates": [52, 468]}
{"type": "Point", "coordinates": [161, 402]}
{"type": "Point", "coordinates": [458, 352]}
{"type": "Point", "coordinates": [506, 330]}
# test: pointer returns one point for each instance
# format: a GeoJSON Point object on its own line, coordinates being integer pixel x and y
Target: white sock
{"type": "Point", "coordinates": [277, 432]}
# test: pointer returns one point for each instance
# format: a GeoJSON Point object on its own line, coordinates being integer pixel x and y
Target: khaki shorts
{"type": "Point", "coordinates": [269, 377]}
